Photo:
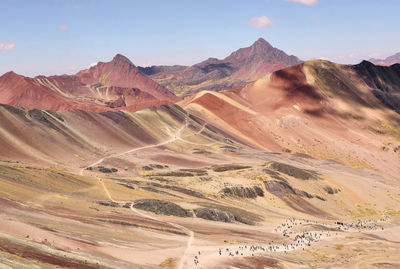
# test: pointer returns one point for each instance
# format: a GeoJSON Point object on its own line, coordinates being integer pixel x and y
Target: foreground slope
{"type": "Point", "coordinates": [106, 86]}
{"type": "Point", "coordinates": [326, 110]}
{"type": "Point", "coordinates": [161, 188]}
{"type": "Point", "coordinates": [241, 67]}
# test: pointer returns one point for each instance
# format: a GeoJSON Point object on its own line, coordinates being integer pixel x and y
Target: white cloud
{"type": "Point", "coordinates": [323, 58]}
{"type": "Point", "coordinates": [262, 21]}
{"type": "Point", "coordinates": [7, 46]}
{"type": "Point", "coordinates": [304, 2]}
{"type": "Point", "coordinates": [62, 28]}
{"type": "Point", "coordinates": [93, 64]}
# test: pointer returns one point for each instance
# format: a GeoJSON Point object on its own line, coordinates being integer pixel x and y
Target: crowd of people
{"type": "Point", "coordinates": [363, 224]}
{"type": "Point", "coordinates": [291, 229]}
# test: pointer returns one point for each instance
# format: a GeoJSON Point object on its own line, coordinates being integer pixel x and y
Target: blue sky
{"type": "Point", "coordinates": [56, 37]}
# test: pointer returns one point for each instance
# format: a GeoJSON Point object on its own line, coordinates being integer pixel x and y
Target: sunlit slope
{"type": "Point", "coordinates": [114, 85]}
{"type": "Point", "coordinates": [156, 187]}
{"type": "Point", "coordinates": [73, 138]}
{"type": "Point", "coordinates": [320, 108]}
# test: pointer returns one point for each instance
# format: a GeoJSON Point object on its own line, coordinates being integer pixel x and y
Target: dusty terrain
{"type": "Point", "coordinates": [164, 189]}
{"type": "Point", "coordinates": [299, 169]}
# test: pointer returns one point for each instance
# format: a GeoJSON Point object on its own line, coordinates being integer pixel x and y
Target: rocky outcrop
{"type": "Point", "coordinates": [243, 192]}
{"type": "Point", "coordinates": [178, 189]}
{"type": "Point", "coordinates": [173, 174]}
{"type": "Point", "coordinates": [279, 188]}
{"type": "Point", "coordinates": [108, 203]}
{"type": "Point", "coordinates": [303, 194]}
{"type": "Point", "coordinates": [162, 207]}
{"type": "Point", "coordinates": [226, 214]}
{"type": "Point", "coordinates": [294, 198]}
{"type": "Point", "coordinates": [240, 215]}
{"type": "Point", "coordinates": [197, 172]}
{"type": "Point", "coordinates": [331, 190]}
{"type": "Point", "coordinates": [214, 214]}
{"type": "Point", "coordinates": [103, 169]}
{"type": "Point", "coordinates": [294, 171]}
{"type": "Point", "coordinates": [229, 167]}
{"type": "Point", "coordinates": [273, 174]}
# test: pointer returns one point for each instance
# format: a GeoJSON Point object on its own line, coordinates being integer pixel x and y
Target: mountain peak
{"type": "Point", "coordinates": [262, 52]}
{"type": "Point", "coordinates": [261, 46]}
{"type": "Point", "coordinates": [119, 58]}
{"type": "Point", "coordinates": [261, 42]}
{"type": "Point", "coordinates": [11, 75]}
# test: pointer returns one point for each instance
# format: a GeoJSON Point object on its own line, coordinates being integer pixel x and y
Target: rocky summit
{"type": "Point", "coordinates": [239, 68]}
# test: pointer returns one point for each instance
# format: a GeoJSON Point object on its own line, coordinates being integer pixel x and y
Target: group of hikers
{"type": "Point", "coordinates": [362, 225]}
{"type": "Point", "coordinates": [291, 229]}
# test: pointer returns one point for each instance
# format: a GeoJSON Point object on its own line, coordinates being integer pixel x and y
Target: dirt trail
{"type": "Point", "coordinates": [184, 229]}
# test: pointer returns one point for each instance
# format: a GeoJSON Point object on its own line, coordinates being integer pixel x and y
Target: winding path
{"type": "Point", "coordinates": [176, 136]}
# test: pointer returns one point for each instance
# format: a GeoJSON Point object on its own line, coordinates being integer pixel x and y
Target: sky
{"type": "Point", "coordinates": [48, 37]}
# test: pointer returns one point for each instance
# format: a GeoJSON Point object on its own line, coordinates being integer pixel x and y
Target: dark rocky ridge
{"type": "Point", "coordinates": [384, 80]}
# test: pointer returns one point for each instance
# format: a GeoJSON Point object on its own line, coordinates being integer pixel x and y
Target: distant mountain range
{"type": "Point", "coordinates": [393, 59]}
{"type": "Point", "coordinates": [241, 67]}
{"type": "Point", "coordinates": [117, 84]}
{"type": "Point", "coordinates": [323, 109]}
{"type": "Point", "coordinates": [120, 85]}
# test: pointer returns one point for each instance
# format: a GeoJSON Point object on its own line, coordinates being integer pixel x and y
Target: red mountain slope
{"type": "Point", "coordinates": [106, 86]}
